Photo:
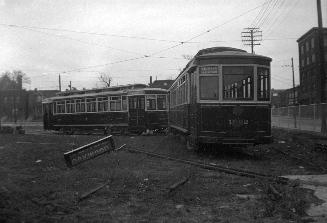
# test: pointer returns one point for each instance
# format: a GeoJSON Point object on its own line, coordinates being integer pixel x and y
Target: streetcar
{"type": "Point", "coordinates": [119, 110]}
{"type": "Point", "coordinates": [222, 96]}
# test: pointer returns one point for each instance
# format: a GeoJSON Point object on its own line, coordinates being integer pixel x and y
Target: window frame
{"type": "Point", "coordinates": [209, 74]}
{"type": "Point", "coordinates": [116, 101]}
{"type": "Point", "coordinates": [267, 84]}
{"type": "Point", "coordinates": [105, 101]}
{"type": "Point", "coordinates": [247, 82]}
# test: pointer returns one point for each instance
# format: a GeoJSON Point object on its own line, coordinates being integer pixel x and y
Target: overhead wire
{"type": "Point", "coordinates": [267, 17]}
{"type": "Point", "coordinates": [90, 33]}
{"type": "Point", "coordinates": [283, 18]}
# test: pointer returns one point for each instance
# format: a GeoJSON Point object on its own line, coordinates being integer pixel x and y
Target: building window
{"type": "Point", "coordinates": [80, 105]}
{"type": "Point", "coordinates": [308, 62]}
{"type": "Point", "coordinates": [102, 104]}
{"type": "Point", "coordinates": [302, 49]}
{"type": "Point", "coordinates": [325, 40]}
{"type": "Point", "coordinates": [238, 83]}
{"type": "Point", "coordinates": [91, 105]}
{"type": "Point", "coordinates": [161, 102]}
{"type": "Point", "coordinates": [313, 43]}
{"type": "Point", "coordinates": [115, 103]}
{"type": "Point", "coordinates": [209, 87]}
{"type": "Point", "coordinates": [307, 46]}
{"type": "Point", "coordinates": [313, 58]}
{"type": "Point", "coordinates": [263, 84]}
{"type": "Point", "coordinates": [302, 63]}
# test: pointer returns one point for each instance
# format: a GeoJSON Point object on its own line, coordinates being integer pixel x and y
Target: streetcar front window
{"type": "Point", "coordinates": [161, 102]}
{"type": "Point", "coordinates": [263, 84]}
{"type": "Point", "coordinates": [151, 102]}
{"type": "Point", "coordinates": [238, 83]}
{"type": "Point", "coordinates": [209, 87]}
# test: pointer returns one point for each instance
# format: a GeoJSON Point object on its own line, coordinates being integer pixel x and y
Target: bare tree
{"type": "Point", "coordinates": [13, 80]}
{"type": "Point", "coordinates": [105, 79]}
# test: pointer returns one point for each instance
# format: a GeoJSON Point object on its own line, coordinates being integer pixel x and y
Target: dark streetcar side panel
{"type": "Point", "coordinates": [89, 120]}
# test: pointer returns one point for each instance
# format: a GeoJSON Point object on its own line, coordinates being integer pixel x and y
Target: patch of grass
{"type": "Point", "coordinates": [288, 201]}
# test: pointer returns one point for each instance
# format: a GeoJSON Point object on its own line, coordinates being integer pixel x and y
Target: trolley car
{"type": "Point", "coordinates": [111, 110]}
{"type": "Point", "coordinates": [222, 96]}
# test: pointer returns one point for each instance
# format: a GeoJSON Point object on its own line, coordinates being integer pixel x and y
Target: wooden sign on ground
{"type": "Point", "coordinates": [89, 151]}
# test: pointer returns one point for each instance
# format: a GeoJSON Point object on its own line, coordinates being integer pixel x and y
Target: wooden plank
{"type": "Point", "coordinates": [178, 184]}
{"type": "Point", "coordinates": [92, 191]}
{"type": "Point", "coordinates": [89, 151]}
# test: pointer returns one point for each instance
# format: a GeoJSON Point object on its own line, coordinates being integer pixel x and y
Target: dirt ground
{"type": "Point", "coordinates": [36, 185]}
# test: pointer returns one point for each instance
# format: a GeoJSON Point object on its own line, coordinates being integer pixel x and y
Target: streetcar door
{"type": "Point", "coordinates": [136, 105]}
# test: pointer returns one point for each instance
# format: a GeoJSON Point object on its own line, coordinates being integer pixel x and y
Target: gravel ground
{"type": "Point", "coordinates": [36, 185]}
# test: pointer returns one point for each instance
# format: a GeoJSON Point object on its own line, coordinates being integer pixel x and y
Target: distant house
{"type": "Point", "coordinates": [164, 84]}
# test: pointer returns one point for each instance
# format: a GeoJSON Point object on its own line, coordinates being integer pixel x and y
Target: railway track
{"type": "Point", "coordinates": [288, 153]}
{"type": "Point", "coordinates": [218, 168]}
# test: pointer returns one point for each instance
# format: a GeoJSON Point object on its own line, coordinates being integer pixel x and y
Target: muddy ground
{"type": "Point", "coordinates": [36, 185]}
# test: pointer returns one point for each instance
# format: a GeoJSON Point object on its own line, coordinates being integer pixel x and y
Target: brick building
{"type": "Point", "coordinates": [309, 66]}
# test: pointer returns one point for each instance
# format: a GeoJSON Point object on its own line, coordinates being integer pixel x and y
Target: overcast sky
{"type": "Point", "coordinates": [130, 39]}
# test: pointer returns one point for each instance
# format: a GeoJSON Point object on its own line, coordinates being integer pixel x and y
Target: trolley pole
{"type": "Point", "coordinates": [293, 92]}
{"type": "Point", "coordinates": [322, 69]}
{"type": "Point", "coordinates": [59, 83]}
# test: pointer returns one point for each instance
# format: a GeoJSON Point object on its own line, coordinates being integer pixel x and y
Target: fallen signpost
{"type": "Point", "coordinates": [90, 151]}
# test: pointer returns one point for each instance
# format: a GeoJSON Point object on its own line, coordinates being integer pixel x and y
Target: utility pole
{"type": "Point", "coordinates": [293, 91]}
{"type": "Point", "coordinates": [322, 69]}
{"type": "Point", "coordinates": [251, 37]}
{"type": "Point", "coordinates": [59, 83]}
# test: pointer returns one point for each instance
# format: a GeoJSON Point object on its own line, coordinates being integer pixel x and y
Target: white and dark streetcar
{"type": "Point", "coordinates": [222, 96]}
{"type": "Point", "coordinates": [132, 108]}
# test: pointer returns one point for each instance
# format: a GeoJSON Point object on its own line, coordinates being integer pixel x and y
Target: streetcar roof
{"type": "Point", "coordinates": [218, 52]}
{"type": "Point", "coordinates": [231, 54]}
{"type": "Point", "coordinates": [47, 100]}
{"type": "Point", "coordinates": [106, 93]}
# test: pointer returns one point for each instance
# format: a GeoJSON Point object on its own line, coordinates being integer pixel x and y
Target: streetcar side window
{"type": "Point", "coordinates": [124, 103]}
{"type": "Point", "coordinates": [90, 105]}
{"type": "Point", "coordinates": [263, 84]}
{"type": "Point", "coordinates": [80, 105]}
{"type": "Point", "coordinates": [115, 103]}
{"type": "Point", "coordinates": [151, 102]}
{"type": "Point", "coordinates": [60, 107]}
{"type": "Point", "coordinates": [209, 87]}
{"type": "Point", "coordinates": [70, 106]}
{"type": "Point", "coordinates": [161, 102]}
{"type": "Point", "coordinates": [102, 104]}
{"type": "Point", "coordinates": [238, 83]}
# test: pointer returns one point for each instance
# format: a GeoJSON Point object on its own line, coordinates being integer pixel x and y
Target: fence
{"type": "Point", "coordinates": [302, 117]}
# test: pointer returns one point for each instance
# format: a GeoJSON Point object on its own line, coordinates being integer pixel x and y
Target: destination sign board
{"type": "Point", "coordinates": [89, 151]}
{"type": "Point", "coordinates": [209, 70]}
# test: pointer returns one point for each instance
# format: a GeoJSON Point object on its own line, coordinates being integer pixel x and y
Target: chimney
{"type": "Point", "coordinates": [150, 80]}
